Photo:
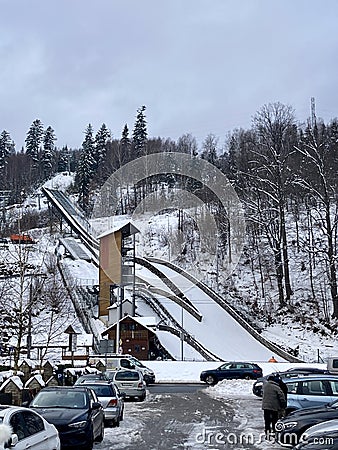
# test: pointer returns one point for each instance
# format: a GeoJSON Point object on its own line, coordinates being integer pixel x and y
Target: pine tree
{"type": "Point", "coordinates": [125, 144]}
{"type": "Point", "coordinates": [34, 139]}
{"type": "Point", "coordinates": [85, 169]}
{"type": "Point", "coordinates": [6, 148]}
{"type": "Point", "coordinates": [48, 152]}
{"type": "Point", "coordinates": [63, 160]}
{"type": "Point", "coordinates": [101, 140]}
{"type": "Point", "coordinates": [140, 134]}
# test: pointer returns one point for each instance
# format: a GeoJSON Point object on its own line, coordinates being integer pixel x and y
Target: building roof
{"type": "Point", "coordinates": [15, 380]}
{"type": "Point", "coordinates": [126, 227]}
{"type": "Point", "coordinates": [146, 322]}
{"type": "Point", "coordinates": [38, 378]}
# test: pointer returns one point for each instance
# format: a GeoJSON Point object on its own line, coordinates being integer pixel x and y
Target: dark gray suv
{"type": "Point", "coordinates": [232, 370]}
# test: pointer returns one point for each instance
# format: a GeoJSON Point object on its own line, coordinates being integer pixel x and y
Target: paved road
{"type": "Point", "coordinates": [187, 420]}
{"type": "Point", "coordinates": [175, 388]}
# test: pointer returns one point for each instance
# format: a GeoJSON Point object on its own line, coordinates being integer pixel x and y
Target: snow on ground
{"type": "Point", "coordinates": [248, 415]}
{"type": "Point", "coordinates": [218, 331]}
{"type": "Point", "coordinates": [189, 371]}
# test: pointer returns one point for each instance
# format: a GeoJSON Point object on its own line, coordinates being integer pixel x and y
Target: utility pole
{"type": "Point", "coordinates": [313, 113]}
{"type": "Point", "coordinates": [29, 331]}
{"type": "Point", "coordinates": [182, 335]}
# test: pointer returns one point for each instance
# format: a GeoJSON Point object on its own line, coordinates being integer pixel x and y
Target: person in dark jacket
{"type": "Point", "coordinates": [273, 402]}
{"type": "Point", "coordinates": [284, 388]}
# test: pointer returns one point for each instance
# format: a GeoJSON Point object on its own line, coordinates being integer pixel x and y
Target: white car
{"type": "Point", "coordinates": [131, 383]}
{"type": "Point", "coordinates": [28, 430]}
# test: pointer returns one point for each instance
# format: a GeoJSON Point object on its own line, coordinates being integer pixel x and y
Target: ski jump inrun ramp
{"type": "Point", "coordinates": [201, 312]}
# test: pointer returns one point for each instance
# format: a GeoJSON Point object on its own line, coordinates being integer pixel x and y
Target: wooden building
{"type": "Point", "coordinates": [26, 366]}
{"type": "Point", "coordinates": [13, 387]}
{"type": "Point", "coordinates": [35, 384]}
{"type": "Point", "coordinates": [137, 336]}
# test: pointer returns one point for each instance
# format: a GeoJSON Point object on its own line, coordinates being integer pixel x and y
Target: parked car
{"type": "Point", "coordinates": [90, 377]}
{"type": "Point", "coordinates": [29, 429]}
{"type": "Point", "coordinates": [290, 428]}
{"type": "Point", "coordinates": [257, 387]}
{"type": "Point", "coordinates": [131, 383]}
{"type": "Point", "coordinates": [325, 441]}
{"type": "Point", "coordinates": [324, 433]}
{"type": "Point", "coordinates": [231, 370]}
{"type": "Point", "coordinates": [118, 362]}
{"type": "Point", "coordinates": [76, 413]}
{"type": "Point", "coordinates": [311, 390]}
{"type": "Point", "coordinates": [110, 398]}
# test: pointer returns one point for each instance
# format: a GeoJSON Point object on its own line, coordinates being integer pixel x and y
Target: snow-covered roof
{"type": "Point", "coordinates": [29, 362]}
{"type": "Point", "coordinates": [115, 305]}
{"type": "Point", "coordinates": [125, 226]}
{"type": "Point", "coordinates": [146, 322]}
{"type": "Point", "coordinates": [37, 378]}
{"type": "Point", "coordinates": [15, 379]}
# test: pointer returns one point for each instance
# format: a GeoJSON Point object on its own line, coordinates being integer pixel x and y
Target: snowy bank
{"type": "Point", "coordinates": [189, 371]}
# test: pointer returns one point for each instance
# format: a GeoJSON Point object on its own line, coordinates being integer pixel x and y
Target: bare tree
{"type": "Point", "coordinates": [269, 177]}
{"type": "Point", "coordinates": [321, 188]}
{"type": "Point", "coordinates": [33, 301]}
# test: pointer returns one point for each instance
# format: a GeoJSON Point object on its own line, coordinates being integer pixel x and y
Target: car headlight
{"type": "Point", "coordinates": [81, 424]}
{"type": "Point", "coordinates": [289, 425]}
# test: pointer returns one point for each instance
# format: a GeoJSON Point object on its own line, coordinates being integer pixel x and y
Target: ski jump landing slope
{"type": "Point", "coordinates": [218, 331]}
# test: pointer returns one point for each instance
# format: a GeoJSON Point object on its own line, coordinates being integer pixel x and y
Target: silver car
{"type": "Point", "coordinates": [110, 398]}
{"type": "Point", "coordinates": [29, 429]}
{"type": "Point", "coordinates": [131, 383]}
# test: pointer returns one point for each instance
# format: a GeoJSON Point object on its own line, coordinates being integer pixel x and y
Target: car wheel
{"type": "Point", "coordinates": [121, 416]}
{"type": "Point", "coordinates": [142, 398]}
{"type": "Point", "coordinates": [116, 422]}
{"type": "Point", "coordinates": [210, 380]}
{"type": "Point", "coordinates": [248, 377]}
{"type": "Point", "coordinates": [89, 445]}
{"type": "Point", "coordinates": [101, 435]}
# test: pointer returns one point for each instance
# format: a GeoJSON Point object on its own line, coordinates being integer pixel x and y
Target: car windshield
{"type": "Point", "coordinates": [110, 375]}
{"type": "Point", "coordinates": [63, 399]}
{"type": "Point", "coordinates": [102, 391]}
{"type": "Point", "coordinates": [136, 363]}
{"type": "Point", "coordinates": [126, 376]}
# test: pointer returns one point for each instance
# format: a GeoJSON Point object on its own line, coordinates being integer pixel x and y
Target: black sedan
{"type": "Point", "coordinates": [257, 387]}
{"type": "Point", "coordinates": [231, 370]}
{"type": "Point", "coordinates": [76, 413]}
{"type": "Point", "coordinates": [324, 441]}
{"type": "Point", "coordinates": [291, 427]}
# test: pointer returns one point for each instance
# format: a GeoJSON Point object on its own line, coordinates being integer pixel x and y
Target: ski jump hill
{"type": "Point", "coordinates": [189, 310]}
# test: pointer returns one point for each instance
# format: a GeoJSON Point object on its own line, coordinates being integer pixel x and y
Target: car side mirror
{"type": "Point", "coordinates": [122, 395]}
{"type": "Point", "coordinates": [12, 441]}
{"type": "Point", "coordinates": [96, 405]}
{"type": "Point", "coordinates": [132, 366]}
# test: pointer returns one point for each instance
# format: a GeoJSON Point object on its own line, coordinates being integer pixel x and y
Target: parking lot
{"type": "Point", "coordinates": [189, 420]}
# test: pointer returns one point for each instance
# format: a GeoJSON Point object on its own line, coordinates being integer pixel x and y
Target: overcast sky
{"type": "Point", "coordinates": [200, 67]}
